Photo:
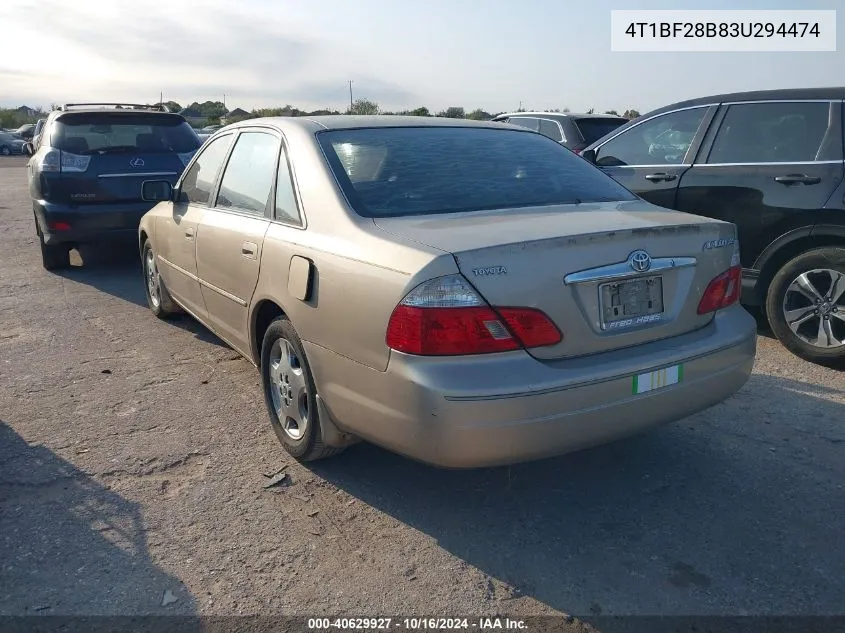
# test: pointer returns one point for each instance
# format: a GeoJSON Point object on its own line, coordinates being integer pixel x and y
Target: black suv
{"type": "Point", "coordinates": [575, 131]}
{"type": "Point", "coordinates": [771, 162]}
{"type": "Point", "coordinates": [88, 167]}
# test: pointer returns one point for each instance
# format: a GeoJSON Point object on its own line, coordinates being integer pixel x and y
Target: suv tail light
{"type": "Point", "coordinates": [447, 317]}
{"type": "Point", "coordinates": [59, 161]}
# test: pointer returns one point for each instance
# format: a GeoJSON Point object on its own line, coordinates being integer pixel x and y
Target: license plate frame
{"type": "Point", "coordinates": [618, 299]}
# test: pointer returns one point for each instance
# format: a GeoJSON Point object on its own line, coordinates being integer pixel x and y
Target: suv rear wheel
{"type": "Point", "coordinates": [805, 304]}
{"type": "Point", "coordinates": [54, 256]}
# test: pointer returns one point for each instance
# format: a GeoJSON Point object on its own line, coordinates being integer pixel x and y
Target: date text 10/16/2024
{"type": "Point", "coordinates": [417, 624]}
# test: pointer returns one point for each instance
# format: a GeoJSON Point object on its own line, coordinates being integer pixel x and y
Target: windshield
{"type": "Point", "coordinates": [593, 129]}
{"type": "Point", "coordinates": [102, 132]}
{"type": "Point", "coordinates": [389, 172]}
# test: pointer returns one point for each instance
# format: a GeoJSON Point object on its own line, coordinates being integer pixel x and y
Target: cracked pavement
{"type": "Point", "coordinates": [133, 455]}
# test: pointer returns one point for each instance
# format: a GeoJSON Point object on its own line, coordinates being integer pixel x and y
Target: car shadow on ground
{"type": "Point", "coordinates": [71, 547]}
{"type": "Point", "coordinates": [116, 270]}
{"type": "Point", "coordinates": [726, 514]}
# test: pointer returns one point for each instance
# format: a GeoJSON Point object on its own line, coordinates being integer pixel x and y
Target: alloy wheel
{"type": "Point", "coordinates": [814, 307]}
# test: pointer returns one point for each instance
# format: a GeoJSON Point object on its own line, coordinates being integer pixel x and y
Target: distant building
{"type": "Point", "coordinates": [234, 115]}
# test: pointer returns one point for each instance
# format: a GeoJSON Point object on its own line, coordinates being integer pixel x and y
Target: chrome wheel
{"type": "Point", "coordinates": [814, 307]}
{"type": "Point", "coordinates": [153, 278]}
{"type": "Point", "coordinates": [288, 389]}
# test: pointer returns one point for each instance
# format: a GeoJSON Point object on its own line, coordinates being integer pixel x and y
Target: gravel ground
{"type": "Point", "coordinates": [133, 455]}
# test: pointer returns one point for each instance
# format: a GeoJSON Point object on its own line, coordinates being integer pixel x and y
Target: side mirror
{"type": "Point", "coordinates": [156, 190]}
{"type": "Point", "coordinates": [28, 149]}
{"type": "Point", "coordinates": [589, 155]}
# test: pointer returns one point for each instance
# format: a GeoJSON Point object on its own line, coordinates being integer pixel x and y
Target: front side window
{"type": "Point", "coordinates": [777, 133]}
{"type": "Point", "coordinates": [199, 179]}
{"type": "Point", "coordinates": [663, 140]}
{"type": "Point", "coordinates": [551, 129]}
{"type": "Point", "coordinates": [400, 171]}
{"type": "Point", "coordinates": [250, 172]}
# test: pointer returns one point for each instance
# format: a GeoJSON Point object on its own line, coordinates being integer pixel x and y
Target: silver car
{"type": "Point", "coordinates": [467, 294]}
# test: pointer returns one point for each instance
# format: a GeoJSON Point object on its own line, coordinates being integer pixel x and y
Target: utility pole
{"type": "Point", "coordinates": [350, 96]}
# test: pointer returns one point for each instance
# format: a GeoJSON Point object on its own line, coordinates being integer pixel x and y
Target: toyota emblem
{"type": "Point", "coordinates": [640, 261]}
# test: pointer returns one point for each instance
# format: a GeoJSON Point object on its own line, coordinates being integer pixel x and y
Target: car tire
{"type": "Point", "coordinates": [5, 150]}
{"type": "Point", "coordinates": [158, 298]}
{"type": "Point", "coordinates": [54, 256]}
{"type": "Point", "coordinates": [290, 394]}
{"type": "Point", "coordinates": [805, 305]}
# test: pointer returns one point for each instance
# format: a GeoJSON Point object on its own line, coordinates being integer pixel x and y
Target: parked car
{"type": "Point", "coordinates": [26, 131]}
{"type": "Point", "coordinates": [11, 144]}
{"type": "Point", "coordinates": [772, 163]}
{"type": "Point", "coordinates": [575, 131]}
{"type": "Point", "coordinates": [463, 293]}
{"type": "Point", "coordinates": [86, 172]}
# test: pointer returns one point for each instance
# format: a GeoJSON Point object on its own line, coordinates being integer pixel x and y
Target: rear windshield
{"type": "Point", "coordinates": [149, 133]}
{"type": "Point", "coordinates": [390, 172]}
{"type": "Point", "coordinates": [593, 129]}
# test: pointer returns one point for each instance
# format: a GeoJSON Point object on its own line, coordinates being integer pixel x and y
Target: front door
{"type": "Point", "coordinates": [650, 158]}
{"type": "Point", "coordinates": [176, 235]}
{"type": "Point", "coordinates": [231, 234]}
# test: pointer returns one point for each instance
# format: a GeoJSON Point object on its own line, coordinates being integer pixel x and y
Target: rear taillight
{"type": "Point", "coordinates": [58, 226]}
{"type": "Point", "coordinates": [447, 317]}
{"type": "Point", "coordinates": [56, 160]}
{"type": "Point", "coordinates": [723, 291]}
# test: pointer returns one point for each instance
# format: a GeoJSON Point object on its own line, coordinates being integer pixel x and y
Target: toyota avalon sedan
{"type": "Point", "coordinates": [466, 294]}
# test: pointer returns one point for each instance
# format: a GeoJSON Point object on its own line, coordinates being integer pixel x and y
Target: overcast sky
{"type": "Point", "coordinates": [402, 53]}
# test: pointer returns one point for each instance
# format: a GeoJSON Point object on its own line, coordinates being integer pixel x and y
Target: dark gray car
{"type": "Point", "coordinates": [575, 131]}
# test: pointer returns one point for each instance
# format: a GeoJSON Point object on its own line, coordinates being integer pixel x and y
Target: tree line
{"type": "Point", "coordinates": [215, 112]}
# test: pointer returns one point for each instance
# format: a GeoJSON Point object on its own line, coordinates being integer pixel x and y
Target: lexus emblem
{"type": "Point", "coordinates": [137, 162]}
{"type": "Point", "coordinates": [640, 261]}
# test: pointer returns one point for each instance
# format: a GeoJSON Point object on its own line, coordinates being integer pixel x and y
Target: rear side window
{"type": "Point", "coordinates": [287, 209]}
{"type": "Point", "coordinates": [198, 181]}
{"type": "Point", "coordinates": [389, 172]}
{"type": "Point", "coordinates": [525, 121]}
{"type": "Point", "coordinates": [551, 129]}
{"type": "Point", "coordinates": [250, 172]}
{"type": "Point", "coordinates": [593, 129]}
{"type": "Point", "coordinates": [114, 133]}
{"type": "Point", "coordinates": [778, 133]}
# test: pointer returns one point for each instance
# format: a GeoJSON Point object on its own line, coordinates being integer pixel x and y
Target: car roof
{"type": "Point", "coordinates": [798, 94]}
{"type": "Point", "coordinates": [570, 115]}
{"type": "Point", "coordinates": [347, 122]}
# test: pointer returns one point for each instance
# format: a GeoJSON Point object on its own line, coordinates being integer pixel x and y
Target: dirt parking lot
{"type": "Point", "coordinates": [133, 455]}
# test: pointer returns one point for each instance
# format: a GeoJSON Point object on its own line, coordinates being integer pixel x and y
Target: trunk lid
{"type": "Point", "coordinates": [574, 262]}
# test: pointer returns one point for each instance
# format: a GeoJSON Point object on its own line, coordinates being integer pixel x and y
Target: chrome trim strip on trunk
{"type": "Point", "coordinates": [623, 270]}
{"type": "Point", "coordinates": [139, 173]}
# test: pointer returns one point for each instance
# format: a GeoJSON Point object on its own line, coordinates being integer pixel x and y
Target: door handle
{"type": "Point", "coordinates": [661, 177]}
{"type": "Point", "coordinates": [248, 249]}
{"type": "Point", "coordinates": [189, 233]}
{"type": "Point", "coordinates": [798, 179]}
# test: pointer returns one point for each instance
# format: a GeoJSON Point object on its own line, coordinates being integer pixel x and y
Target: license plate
{"type": "Point", "coordinates": [630, 303]}
{"type": "Point", "coordinates": [657, 379]}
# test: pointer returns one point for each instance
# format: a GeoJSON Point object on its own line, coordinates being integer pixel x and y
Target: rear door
{"type": "Point", "coordinates": [176, 234]}
{"type": "Point", "coordinates": [650, 157]}
{"type": "Point", "coordinates": [106, 156]}
{"type": "Point", "coordinates": [765, 167]}
{"type": "Point", "coordinates": [231, 233]}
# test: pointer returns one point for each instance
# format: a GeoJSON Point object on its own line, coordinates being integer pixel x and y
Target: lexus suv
{"type": "Point", "coordinates": [575, 131]}
{"type": "Point", "coordinates": [88, 166]}
{"type": "Point", "coordinates": [770, 162]}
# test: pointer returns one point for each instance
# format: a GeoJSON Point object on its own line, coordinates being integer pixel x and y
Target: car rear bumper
{"type": "Point", "coordinates": [507, 408]}
{"type": "Point", "coordinates": [91, 223]}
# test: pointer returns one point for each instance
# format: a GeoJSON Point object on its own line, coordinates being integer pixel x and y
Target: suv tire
{"type": "Point", "coordinates": [54, 256]}
{"type": "Point", "coordinates": [805, 305]}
